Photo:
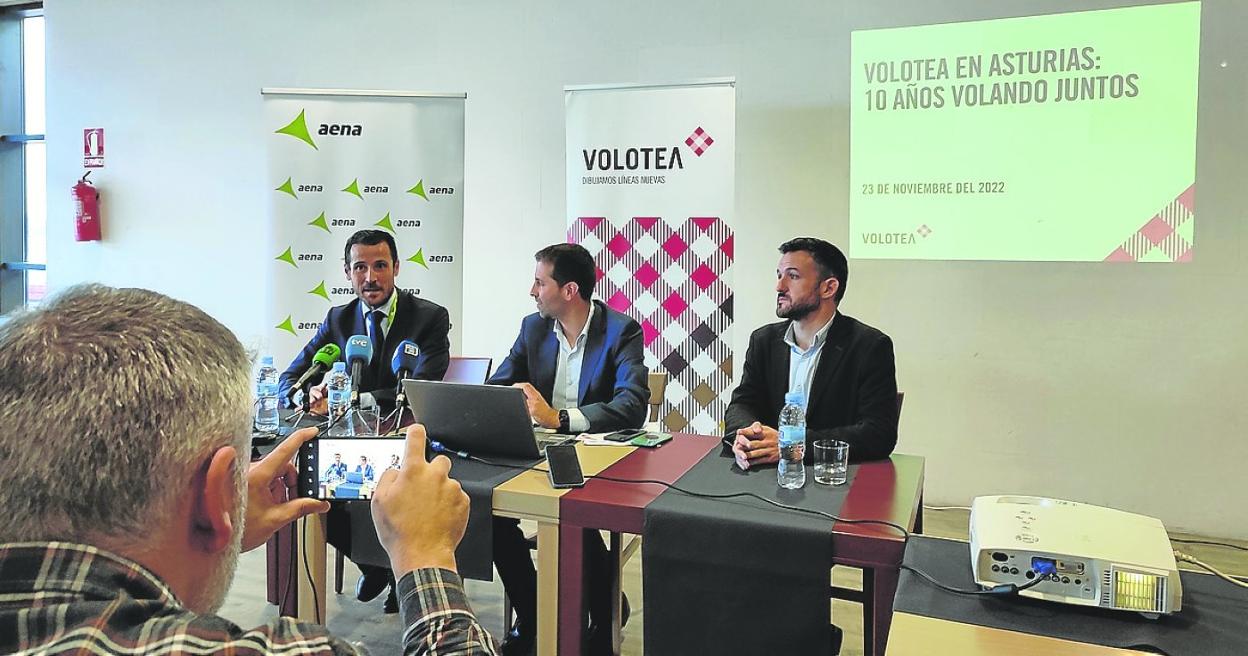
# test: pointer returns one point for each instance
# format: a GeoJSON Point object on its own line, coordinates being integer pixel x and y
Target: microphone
{"type": "Point", "coordinates": [359, 354]}
{"type": "Point", "coordinates": [403, 364]}
{"type": "Point", "coordinates": [404, 361]}
{"type": "Point", "coordinates": [323, 360]}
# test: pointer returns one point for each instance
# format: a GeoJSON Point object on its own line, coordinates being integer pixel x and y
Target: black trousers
{"type": "Point", "coordinates": [515, 568]}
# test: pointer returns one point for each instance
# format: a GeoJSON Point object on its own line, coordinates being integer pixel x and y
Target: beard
{"type": "Point", "coordinates": [798, 309]}
{"type": "Point", "coordinates": [209, 597]}
{"type": "Point", "coordinates": [544, 310]}
{"type": "Point", "coordinates": [216, 584]}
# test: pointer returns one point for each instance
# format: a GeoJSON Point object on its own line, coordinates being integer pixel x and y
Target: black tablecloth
{"type": "Point", "coordinates": [475, 554]}
{"type": "Point", "coordinates": [738, 576]}
{"type": "Point", "coordinates": [1213, 620]}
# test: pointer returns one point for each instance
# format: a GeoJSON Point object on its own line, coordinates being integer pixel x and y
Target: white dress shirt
{"type": "Point", "coordinates": [366, 398]}
{"type": "Point", "coordinates": [566, 393]}
{"type": "Point", "coordinates": [803, 363]}
{"type": "Point", "coordinates": [389, 308]}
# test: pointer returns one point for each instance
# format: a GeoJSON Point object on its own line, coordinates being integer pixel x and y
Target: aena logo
{"type": "Point", "coordinates": [298, 128]}
{"type": "Point", "coordinates": [340, 130]}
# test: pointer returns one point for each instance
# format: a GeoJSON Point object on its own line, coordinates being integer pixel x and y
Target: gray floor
{"type": "Point", "coordinates": [365, 624]}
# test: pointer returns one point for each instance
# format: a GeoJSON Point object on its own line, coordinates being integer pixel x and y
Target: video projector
{"type": "Point", "coordinates": [1088, 555]}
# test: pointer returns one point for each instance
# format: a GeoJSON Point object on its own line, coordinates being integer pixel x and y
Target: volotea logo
{"type": "Point", "coordinates": [699, 141]}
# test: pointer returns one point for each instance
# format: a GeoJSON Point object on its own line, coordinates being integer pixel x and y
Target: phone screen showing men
{"type": "Point", "coordinates": [347, 468]}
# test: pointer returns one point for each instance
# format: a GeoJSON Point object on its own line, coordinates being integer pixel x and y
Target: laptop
{"type": "Point", "coordinates": [483, 420]}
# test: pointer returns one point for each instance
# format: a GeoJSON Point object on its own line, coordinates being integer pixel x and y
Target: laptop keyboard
{"type": "Point", "coordinates": [546, 439]}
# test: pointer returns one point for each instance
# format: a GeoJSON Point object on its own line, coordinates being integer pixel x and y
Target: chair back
{"type": "Point", "coordinates": [658, 385]}
{"type": "Point", "coordinates": [471, 371]}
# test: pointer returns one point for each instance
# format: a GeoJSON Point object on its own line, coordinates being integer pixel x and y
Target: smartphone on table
{"type": "Point", "coordinates": [625, 435]}
{"type": "Point", "coordinates": [563, 466]}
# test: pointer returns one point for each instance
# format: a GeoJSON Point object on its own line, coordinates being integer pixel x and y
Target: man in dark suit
{"type": "Point", "coordinates": [843, 367]}
{"type": "Point", "coordinates": [387, 315]}
{"type": "Point", "coordinates": [337, 470]}
{"type": "Point", "coordinates": [581, 367]}
{"type": "Point", "coordinates": [365, 469]}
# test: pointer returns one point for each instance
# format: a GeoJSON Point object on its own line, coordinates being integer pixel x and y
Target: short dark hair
{"type": "Point", "coordinates": [370, 238]}
{"type": "Point", "coordinates": [571, 263]}
{"type": "Point", "coordinates": [830, 260]}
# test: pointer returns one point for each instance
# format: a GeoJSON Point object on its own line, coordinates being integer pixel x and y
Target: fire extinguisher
{"type": "Point", "coordinates": [86, 210]}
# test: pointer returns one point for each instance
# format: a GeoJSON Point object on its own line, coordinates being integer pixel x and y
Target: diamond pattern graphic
{"type": "Point", "coordinates": [675, 333]}
{"type": "Point", "coordinates": [1166, 237]}
{"type": "Point", "coordinates": [703, 246]}
{"type": "Point", "coordinates": [675, 276]}
{"type": "Point", "coordinates": [646, 304]}
{"type": "Point", "coordinates": [702, 276]}
{"type": "Point", "coordinates": [678, 289]}
{"type": "Point", "coordinates": [675, 246]}
{"type": "Point", "coordinates": [699, 141]}
{"type": "Point", "coordinates": [645, 246]}
{"type": "Point", "coordinates": [703, 394]}
{"type": "Point", "coordinates": [619, 274]}
{"type": "Point", "coordinates": [592, 243]}
{"type": "Point", "coordinates": [675, 363]}
{"type": "Point", "coordinates": [674, 304]}
{"type": "Point", "coordinates": [703, 336]}
{"type": "Point", "coordinates": [1156, 230]}
{"type": "Point", "coordinates": [648, 332]}
{"type": "Point", "coordinates": [703, 306]}
{"type": "Point", "coordinates": [618, 245]}
{"type": "Point", "coordinates": [619, 302]}
{"type": "Point", "coordinates": [646, 275]}
{"type": "Point", "coordinates": [704, 365]}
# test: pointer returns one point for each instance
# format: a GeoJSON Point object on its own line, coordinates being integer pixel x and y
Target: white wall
{"type": "Point", "coordinates": [1118, 385]}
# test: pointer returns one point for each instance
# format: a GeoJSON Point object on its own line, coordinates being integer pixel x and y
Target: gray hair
{"type": "Point", "coordinates": [111, 401]}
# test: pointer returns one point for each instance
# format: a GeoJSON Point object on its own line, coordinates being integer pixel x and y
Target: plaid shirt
{"type": "Point", "coordinates": [60, 598]}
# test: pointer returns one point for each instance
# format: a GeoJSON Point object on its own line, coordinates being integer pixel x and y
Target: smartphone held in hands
{"type": "Point", "coordinates": [337, 469]}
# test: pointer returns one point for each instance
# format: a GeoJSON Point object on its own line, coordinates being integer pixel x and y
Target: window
{"type": "Point", "coordinates": [23, 159]}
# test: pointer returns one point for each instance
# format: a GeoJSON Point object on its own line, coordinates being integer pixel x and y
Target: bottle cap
{"type": "Point", "coordinates": [340, 366]}
{"type": "Point", "coordinates": [795, 397]}
{"type": "Point", "coordinates": [267, 361]}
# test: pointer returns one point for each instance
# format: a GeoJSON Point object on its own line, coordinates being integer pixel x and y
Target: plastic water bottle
{"type": "Point", "coordinates": [266, 396]}
{"type": "Point", "coordinates": [792, 471]}
{"type": "Point", "coordinates": [339, 383]}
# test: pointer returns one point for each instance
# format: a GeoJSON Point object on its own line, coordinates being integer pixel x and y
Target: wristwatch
{"type": "Point", "coordinates": [564, 421]}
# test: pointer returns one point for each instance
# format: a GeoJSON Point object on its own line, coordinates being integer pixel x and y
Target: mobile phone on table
{"type": "Point", "coordinates": [347, 468]}
{"type": "Point", "coordinates": [564, 467]}
{"type": "Point", "coordinates": [650, 439]}
{"type": "Point", "coordinates": [624, 435]}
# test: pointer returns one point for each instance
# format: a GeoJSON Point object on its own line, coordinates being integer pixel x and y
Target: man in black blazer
{"type": "Point", "coordinates": [844, 367]}
{"type": "Point", "coordinates": [581, 367]}
{"type": "Point", "coordinates": [371, 262]}
{"type": "Point", "coordinates": [387, 315]}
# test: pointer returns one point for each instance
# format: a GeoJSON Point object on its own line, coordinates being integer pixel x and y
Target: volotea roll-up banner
{"type": "Point", "coordinates": [650, 175]}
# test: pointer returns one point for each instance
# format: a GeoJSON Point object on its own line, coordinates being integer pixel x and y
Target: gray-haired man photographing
{"type": "Point", "coordinates": [127, 504]}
